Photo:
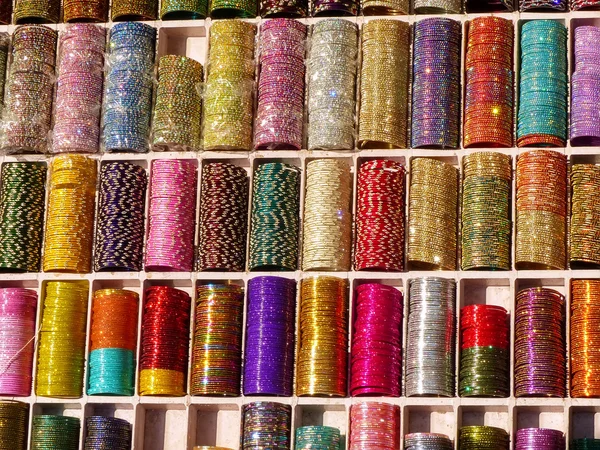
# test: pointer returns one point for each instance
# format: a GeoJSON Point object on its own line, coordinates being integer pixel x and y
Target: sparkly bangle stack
{"type": "Point", "coordinates": [585, 367]}
{"type": "Point", "coordinates": [113, 342]}
{"type": "Point", "coordinates": [22, 198]}
{"type": "Point", "coordinates": [37, 11]}
{"type": "Point", "coordinates": [540, 361]}
{"type": "Point", "coordinates": [61, 343]}
{"type": "Point", "coordinates": [5, 13]}
{"type": "Point", "coordinates": [27, 112]}
{"type": "Point", "coordinates": [4, 49]}
{"type": "Point", "coordinates": [431, 330]}
{"type": "Point", "coordinates": [107, 432]}
{"type": "Point", "coordinates": [227, 9]}
{"type": "Point", "coordinates": [133, 10]}
{"type": "Point", "coordinates": [429, 441]}
{"type": "Point", "coordinates": [178, 108]}
{"type": "Point", "coordinates": [128, 88]}
{"type": "Point", "coordinates": [223, 217]}
{"type": "Point", "coordinates": [374, 425]}
{"type": "Point", "coordinates": [432, 215]}
{"type": "Point", "coordinates": [486, 211]}
{"type": "Point", "coordinates": [436, 84]}
{"type": "Point", "coordinates": [55, 432]}
{"type": "Point", "coordinates": [266, 425]}
{"type": "Point", "coordinates": [335, 7]}
{"type": "Point", "coordinates": [79, 89]}
{"type": "Point", "coordinates": [165, 342]}
{"type": "Point", "coordinates": [484, 352]}
{"type": "Point", "coordinates": [437, 7]}
{"type": "Point", "coordinates": [183, 9]}
{"type": "Point", "coordinates": [327, 230]}
{"type": "Point", "coordinates": [488, 115]}
{"type": "Point", "coordinates": [317, 437]}
{"type": "Point", "coordinates": [217, 340]}
{"type": "Point", "coordinates": [70, 219]}
{"type": "Point", "coordinates": [270, 336]}
{"type": "Point", "coordinates": [543, 5]}
{"type": "Point", "coordinates": [17, 330]}
{"type": "Point", "coordinates": [321, 365]}
{"type": "Point", "coordinates": [331, 65]}
{"type": "Point", "coordinates": [120, 224]}
{"type": "Point", "coordinates": [379, 241]}
{"type": "Point", "coordinates": [584, 247]}
{"type": "Point", "coordinates": [542, 116]}
{"type": "Point", "coordinates": [385, 7]}
{"type": "Point", "coordinates": [376, 355]}
{"type": "Point", "coordinates": [279, 119]}
{"type": "Point", "coordinates": [228, 95]}
{"type": "Point", "coordinates": [283, 8]}
{"type": "Point", "coordinates": [384, 78]}
{"type": "Point", "coordinates": [14, 417]}
{"type": "Point", "coordinates": [528, 438]}
{"type": "Point", "coordinates": [275, 221]}
{"type": "Point", "coordinates": [481, 437]}
{"type": "Point", "coordinates": [172, 216]}
{"type": "Point", "coordinates": [85, 10]}
{"type": "Point", "coordinates": [541, 210]}
{"type": "Point", "coordinates": [585, 123]}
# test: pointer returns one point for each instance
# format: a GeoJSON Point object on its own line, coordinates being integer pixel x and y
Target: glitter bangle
{"type": "Point", "coordinates": [541, 210]}
{"type": "Point", "coordinates": [27, 112]}
{"type": "Point", "coordinates": [223, 218]}
{"type": "Point", "coordinates": [488, 104]}
{"type": "Point", "coordinates": [228, 94]}
{"type": "Point", "coordinates": [432, 215]}
{"type": "Point", "coordinates": [317, 436]}
{"type": "Point", "coordinates": [475, 437]}
{"type": "Point", "coordinates": [15, 417]}
{"type": "Point", "coordinates": [120, 224]}
{"type": "Point", "coordinates": [437, 6]}
{"type": "Point", "coordinates": [61, 344]}
{"type": "Point", "coordinates": [431, 327]}
{"type": "Point", "coordinates": [107, 432]}
{"type": "Point", "coordinates": [275, 221]}
{"type": "Point", "coordinates": [433, 441]}
{"type": "Point", "coordinates": [279, 119]}
{"type": "Point", "coordinates": [178, 106]}
{"type": "Point", "coordinates": [183, 9]}
{"type": "Point", "coordinates": [383, 112]}
{"type": "Point", "coordinates": [527, 438]}
{"type": "Point", "coordinates": [55, 432]}
{"type": "Point", "coordinates": [165, 342]}
{"type": "Point", "coordinates": [322, 355]}
{"type": "Point", "coordinates": [22, 201]}
{"type": "Point", "coordinates": [540, 350]}
{"type": "Point", "coordinates": [376, 355]}
{"type": "Point", "coordinates": [17, 331]}
{"type": "Point", "coordinates": [283, 8]}
{"type": "Point", "coordinates": [379, 241]}
{"type": "Point", "coordinates": [486, 211]}
{"type": "Point", "coordinates": [228, 9]}
{"type": "Point", "coordinates": [436, 84]}
{"type": "Point", "coordinates": [543, 98]}
{"type": "Point", "coordinates": [327, 233]}
{"type": "Point", "coordinates": [266, 425]}
{"type": "Point", "coordinates": [85, 10]}
{"type": "Point", "coordinates": [584, 248]}
{"type": "Point", "coordinates": [270, 336]}
{"type": "Point", "coordinates": [484, 353]}
{"type": "Point", "coordinates": [37, 11]}
{"type": "Point", "coordinates": [79, 89]}
{"type": "Point", "coordinates": [128, 88]}
{"type": "Point", "coordinates": [374, 424]}
{"type": "Point", "coordinates": [331, 108]}
{"type": "Point", "coordinates": [70, 219]}
{"type": "Point", "coordinates": [170, 241]}
{"type": "Point", "coordinates": [585, 125]}
{"type": "Point", "coordinates": [133, 10]}
{"type": "Point", "coordinates": [335, 8]}
{"type": "Point", "coordinates": [217, 340]}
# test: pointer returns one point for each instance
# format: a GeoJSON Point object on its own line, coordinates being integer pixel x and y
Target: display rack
{"type": "Point", "coordinates": [179, 423]}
